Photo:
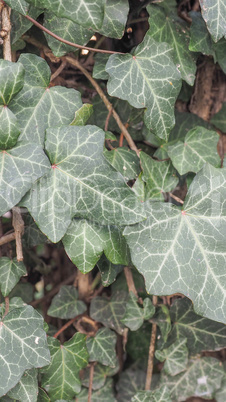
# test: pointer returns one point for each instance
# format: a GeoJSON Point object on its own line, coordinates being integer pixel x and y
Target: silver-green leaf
{"type": "Point", "coordinates": [214, 15]}
{"type": "Point", "coordinates": [10, 273]}
{"type": "Point", "coordinates": [66, 304]}
{"type": "Point", "coordinates": [101, 347]}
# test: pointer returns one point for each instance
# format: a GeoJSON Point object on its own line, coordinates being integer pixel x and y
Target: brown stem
{"type": "Point", "coordinates": [91, 49]}
{"type": "Point", "coordinates": [59, 70]}
{"type": "Point", "coordinates": [65, 326]}
{"type": "Point", "coordinates": [108, 105]}
{"type": "Point", "coordinates": [129, 281]}
{"type": "Point", "coordinates": [91, 372]}
{"type": "Point", "coordinates": [6, 307]}
{"type": "Point", "coordinates": [107, 120]}
{"type": "Point", "coordinates": [7, 238]}
{"type": "Point", "coordinates": [176, 198]}
{"type": "Point", "coordinates": [18, 225]}
{"type": "Point", "coordinates": [83, 285]}
{"type": "Point", "coordinates": [5, 32]}
{"type": "Point", "coordinates": [151, 352]}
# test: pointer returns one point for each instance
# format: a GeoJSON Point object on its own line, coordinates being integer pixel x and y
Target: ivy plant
{"type": "Point", "coordinates": [112, 200]}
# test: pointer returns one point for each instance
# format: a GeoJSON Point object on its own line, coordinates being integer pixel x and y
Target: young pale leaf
{"type": "Point", "coordinates": [199, 147]}
{"type": "Point", "coordinates": [124, 161]}
{"type": "Point", "coordinates": [134, 315]}
{"type": "Point", "coordinates": [21, 349]}
{"type": "Point", "coordinates": [82, 115]}
{"type": "Point", "coordinates": [104, 394]}
{"type": "Point", "coordinates": [85, 241]}
{"type": "Point", "coordinates": [168, 27]}
{"type": "Point", "coordinates": [147, 78]}
{"type": "Point", "coordinates": [159, 394]}
{"type": "Point", "coordinates": [109, 312]}
{"type": "Point", "coordinates": [175, 357]}
{"type": "Point", "coordinates": [10, 273]}
{"type": "Point", "coordinates": [184, 250]}
{"type": "Point", "coordinates": [99, 376]}
{"type": "Point", "coordinates": [20, 167]}
{"type": "Point", "coordinates": [201, 333]}
{"type": "Point", "coordinates": [202, 378]}
{"type": "Point", "coordinates": [61, 378]}
{"type": "Point", "coordinates": [219, 119]}
{"type": "Point", "coordinates": [160, 177]}
{"type": "Point", "coordinates": [67, 30]}
{"type": "Point", "coordinates": [11, 80]}
{"type": "Point", "coordinates": [88, 13]}
{"type": "Point", "coordinates": [108, 270]}
{"type": "Point", "coordinates": [80, 183]}
{"type": "Point", "coordinates": [27, 388]}
{"type": "Point", "coordinates": [214, 15]}
{"type": "Point", "coordinates": [115, 17]}
{"type": "Point", "coordinates": [38, 106]}
{"type": "Point", "coordinates": [101, 347]}
{"type": "Point", "coordinates": [66, 304]}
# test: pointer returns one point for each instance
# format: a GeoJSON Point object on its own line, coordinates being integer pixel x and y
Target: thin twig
{"type": "Point", "coordinates": [59, 70]}
{"type": "Point", "coordinates": [108, 105]}
{"type": "Point", "coordinates": [107, 120]}
{"type": "Point", "coordinates": [130, 281]}
{"type": "Point", "coordinates": [6, 306]}
{"type": "Point", "coordinates": [65, 326]}
{"type": "Point", "coordinates": [91, 372]}
{"type": "Point", "coordinates": [176, 198]}
{"type": "Point", "coordinates": [7, 238]}
{"type": "Point", "coordinates": [91, 49]}
{"type": "Point", "coordinates": [18, 225]}
{"type": "Point", "coordinates": [151, 352]}
{"type": "Point", "coordinates": [5, 32]}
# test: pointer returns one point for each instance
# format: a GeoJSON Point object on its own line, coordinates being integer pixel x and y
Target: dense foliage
{"type": "Point", "coordinates": [112, 200]}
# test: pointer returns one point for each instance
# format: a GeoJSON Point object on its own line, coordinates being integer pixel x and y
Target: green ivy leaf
{"type": "Point", "coordinates": [66, 304]}
{"type": "Point", "coordinates": [214, 15]}
{"type": "Point", "coordinates": [124, 161]}
{"type": "Point", "coordinates": [88, 13]}
{"type": "Point", "coordinates": [9, 131]}
{"type": "Point", "coordinates": [99, 376]}
{"type": "Point", "coordinates": [82, 115]}
{"type": "Point", "coordinates": [99, 67]}
{"type": "Point", "coordinates": [219, 396]}
{"type": "Point", "coordinates": [175, 357]}
{"type": "Point", "coordinates": [206, 373]}
{"type": "Point", "coordinates": [219, 119]}
{"type": "Point", "coordinates": [115, 17]}
{"type": "Point", "coordinates": [20, 25]}
{"type": "Point", "coordinates": [104, 394]}
{"type": "Point", "coordinates": [66, 29]}
{"type": "Point", "coordinates": [159, 394]}
{"type": "Point", "coordinates": [27, 388]}
{"type": "Point", "coordinates": [134, 315]}
{"type": "Point", "coordinates": [201, 40]}
{"type": "Point", "coordinates": [85, 241]}
{"type": "Point", "coordinates": [147, 78]}
{"type": "Point", "coordinates": [11, 80]}
{"type": "Point", "coordinates": [108, 270]}
{"type": "Point", "coordinates": [61, 377]}
{"type": "Point", "coordinates": [42, 396]}
{"type": "Point", "coordinates": [37, 106]}
{"type": "Point", "coordinates": [101, 347]}
{"type": "Point", "coordinates": [10, 273]}
{"type": "Point", "coordinates": [199, 147]}
{"type": "Point", "coordinates": [168, 27]}
{"type": "Point", "coordinates": [109, 312]}
{"type": "Point", "coordinates": [19, 5]}
{"type": "Point", "coordinates": [94, 192]}
{"type": "Point", "coordinates": [201, 333]}
{"type": "Point", "coordinates": [160, 177]}
{"type": "Point", "coordinates": [130, 382]}
{"type": "Point", "coordinates": [163, 320]}
{"type": "Point", "coordinates": [182, 251]}
{"type": "Point", "coordinates": [20, 167]}
{"type": "Point", "coordinates": [21, 349]}
{"type": "Point", "coordinates": [32, 235]}
{"type": "Point", "coordinates": [220, 51]}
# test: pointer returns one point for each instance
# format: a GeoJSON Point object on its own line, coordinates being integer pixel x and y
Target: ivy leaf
{"type": "Point", "coordinates": [109, 312]}
{"type": "Point", "coordinates": [88, 13]}
{"type": "Point", "coordinates": [214, 16]}
{"type": "Point", "coordinates": [101, 348]}
{"type": "Point", "coordinates": [61, 377]}
{"type": "Point", "coordinates": [220, 51]}
{"type": "Point", "coordinates": [94, 192]}
{"type": "Point", "coordinates": [115, 17]}
{"type": "Point", "coordinates": [99, 67]}
{"type": "Point", "coordinates": [20, 167]}
{"type": "Point", "coordinates": [130, 382]}
{"type": "Point", "coordinates": [21, 350]}
{"type": "Point", "coordinates": [10, 273]}
{"type": "Point", "coordinates": [66, 304]}
{"type": "Point", "coordinates": [159, 394]}
{"type": "Point", "coordinates": [9, 131]}
{"type": "Point", "coordinates": [199, 147]}
{"type": "Point", "coordinates": [201, 40]}
{"type": "Point", "coordinates": [108, 270]}
{"type": "Point", "coordinates": [174, 249]}
{"type": "Point", "coordinates": [175, 357]}
{"type": "Point", "coordinates": [134, 315]}
{"type": "Point", "coordinates": [85, 241]}
{"type": "Point", "coordinates": [99, 376]}
{"type": "Point", "coordinates": [42, 396]}
{"type": "Point", "coordinates": [160, 177]}
{"type": "Point", "coordinates": [32, 235]}
{"type": "Point", "coordinates": [201, 333]}
{"type": "Point", "coordinates": [37, 106]}
{"type": "Point", "coordinates": [169, 28]}
{"type": "Point", "coordinates": [219, 396]}
{"type": "Point", "coordinates": [66, 29]}
{"type": "Point", "coordinates": [11, 80]}
{"type": "Point", "coordinates": [219, 119]}
{"type": "Point", "coordinates": [19, 5]}
{"type": "Point", "coordinates": [206, 373]}
{"type": "Point", "coordinates": [124, 161]}
{"type": "Point", "coordinates": [20, 24]}
{"type": "Point", "coordinates": [104, 394]}
{"type": "Point", "coordinates": [147, 78]}
{"type": "Point", "coordinates": [27, 388]}
{"type": "Point", "coordinates": [82, 115]}
{"type": "Point", "coordinates": [163, 320]}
